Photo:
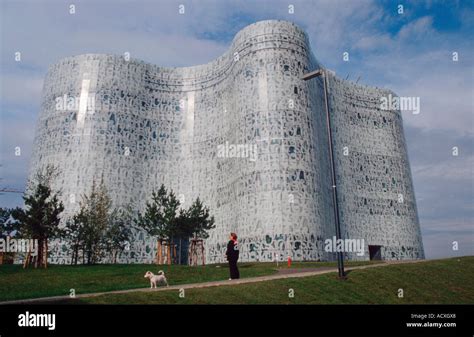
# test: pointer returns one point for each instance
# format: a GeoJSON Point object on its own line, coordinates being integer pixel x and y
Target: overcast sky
{"type": "Point", "coordinates": [410, 53]}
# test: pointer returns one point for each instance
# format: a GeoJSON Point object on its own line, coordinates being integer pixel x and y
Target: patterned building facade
{"type": "Point", "coordinates": [246, 134]}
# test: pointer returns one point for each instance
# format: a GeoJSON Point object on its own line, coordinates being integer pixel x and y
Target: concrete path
{"type": "Point", "coordinates": [278, 276]}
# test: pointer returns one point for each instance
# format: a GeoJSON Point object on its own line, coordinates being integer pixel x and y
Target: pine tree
{"type": "Point", "coordinates": [164, 220]}
{"type": "Point", "coordinates": [41, 217]}
{"type": "Point", "coordinates": [200, 221]}
{"type": "Point", "coordinates": [8, 228]}
{"type": "Point", "coordinates": [160, 218]}
{"type": "Point", "coordinates": [197, 224]}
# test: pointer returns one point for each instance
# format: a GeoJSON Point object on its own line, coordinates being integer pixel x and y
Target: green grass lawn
{"type": "Point", "coordinates": [448, 281]}
{"type": "Point", "coordinates": [19, 283]}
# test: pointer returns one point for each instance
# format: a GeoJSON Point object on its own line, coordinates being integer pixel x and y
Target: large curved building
{"type": "Point", "coordinates": [247, 135]}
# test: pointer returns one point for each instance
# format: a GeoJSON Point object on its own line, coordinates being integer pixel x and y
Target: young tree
{"type": "Point", "coordinates": [74, 234]}
{"type": "Point", "coordinates": [8, 228]}
{"type": "Point", "coordinates": [160, 218]}
{"type": "Point", "coordinates": [4, 232]}
{"type": "Point", "coordinates": [164, 220]}
{"type": "Point", "coordinates": [93, 219]}
{"type": "Point", "coordinates": [118, 232]}
{"type": "Point", "coordinates": [171, 220]}
{"type": "Point", "coordinates": [200, 220]}
{"type": "Point", "coordinates": [198, 223]}
{"type": "Point", "coordinates": [40, 218]}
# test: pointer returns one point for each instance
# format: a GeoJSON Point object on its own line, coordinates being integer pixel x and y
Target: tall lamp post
{"type": "Point", "coordinates": [340, 259]}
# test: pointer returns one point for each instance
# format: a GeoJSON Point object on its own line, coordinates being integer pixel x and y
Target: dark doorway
{"type": "Point", "coordinates": [375, 252]}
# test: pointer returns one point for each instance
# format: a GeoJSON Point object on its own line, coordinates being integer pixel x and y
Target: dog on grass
{"type": "Point", "coordinates": [154, 279]}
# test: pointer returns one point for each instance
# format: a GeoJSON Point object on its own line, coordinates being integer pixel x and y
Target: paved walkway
{"type": "Point", "coordinates": [301, 272]}
{"type": "Point", "coordinates": [285, 271]}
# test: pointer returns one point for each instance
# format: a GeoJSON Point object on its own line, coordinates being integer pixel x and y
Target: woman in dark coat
{"type": "Point", "coordinates": [232, 254]}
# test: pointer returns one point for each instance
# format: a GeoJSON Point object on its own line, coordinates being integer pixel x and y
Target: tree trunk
{"type": "Point", "coordinates": [75, 255]}
{"type": "Point", "coordinates": [39, 255]}
{"type": "Point", "coordinates": [169, 253]}
{"type": "Point", "coordinates": [158, 252]}
{"type": "Point", "coordinates": [174, 254]}
{"type": "Point", "coordinates": [191, 253]}
{"type": "Point", "coordinates": [27, 260]}
{"type": "Point", "coordinates": [202, 254]}
{"type": "Point", "coordinates": [45, 253]}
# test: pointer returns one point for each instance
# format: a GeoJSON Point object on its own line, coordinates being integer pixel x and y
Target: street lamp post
{"type": "Point", "coordinates": [340, 259]}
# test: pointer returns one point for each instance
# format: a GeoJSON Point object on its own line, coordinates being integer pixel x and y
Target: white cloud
{"type": "Point", "coordinates": [372, 42]}
{"type": "Point", "coordinates": [416, 29]}
{"type": "Point", "coordinates": [459, 168]}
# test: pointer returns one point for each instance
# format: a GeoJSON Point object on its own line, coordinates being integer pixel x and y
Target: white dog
{"type": "Point", "coordinates": [154, 279]}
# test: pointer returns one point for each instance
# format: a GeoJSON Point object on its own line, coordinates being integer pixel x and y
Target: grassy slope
{"type": "Point", "coordinates": [18, 283]}
{"type": "Point", "coordinates": [437, 282]}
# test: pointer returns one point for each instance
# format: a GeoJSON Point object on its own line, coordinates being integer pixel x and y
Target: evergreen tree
{"type": "Point", "coordinates": [164, 219]}
{"type": "Point", "coordinates": [40, 219]}
{"type": "Point", "coordinates": [5, 223]}
{"type": "Point", "coordinates": [160, 218]}
{"type": "Point", "coordinates": [170, 218]}
{"type": "Point", "coordinates": [152, 220]}
{"type": "Point", "coordinates": [197, 224]}
{"type": "Point", "coordinates": [8, 228]}
{"type": "Point", "coordinates": [199, 220]}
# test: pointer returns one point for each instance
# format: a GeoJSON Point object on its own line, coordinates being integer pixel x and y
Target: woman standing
{"type": "Point", "coordinates": [232, 254]}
